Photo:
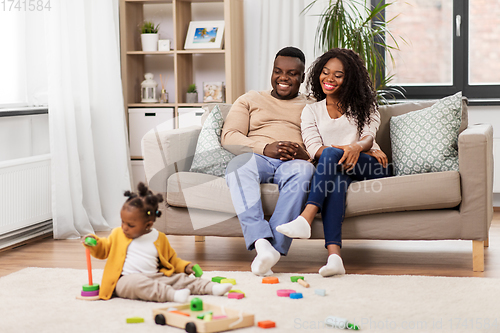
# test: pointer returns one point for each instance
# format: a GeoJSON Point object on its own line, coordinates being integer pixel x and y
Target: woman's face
{"type": "Point", "coordinates": [332, 76]}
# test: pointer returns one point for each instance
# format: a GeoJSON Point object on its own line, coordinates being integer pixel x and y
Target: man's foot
{"type": "Point", "coordinates": [181, 295]}
{"type": "Point", "coordinates": [266, 257]}
{"type": "Point", "coordinates": [334, 266]}
{"type": "Point", "coordinates": [221, 289]}
{"type": "Point", "coordinates": [298, 228]}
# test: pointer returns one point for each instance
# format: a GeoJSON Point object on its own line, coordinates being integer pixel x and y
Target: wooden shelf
{"type": "Point", "coordinates": [150, 53]}
{"type": "Point", "coordinates": [151, 105]}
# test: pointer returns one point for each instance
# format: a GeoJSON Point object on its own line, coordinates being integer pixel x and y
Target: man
{"type": "Point", "coordinates": [263, 129]}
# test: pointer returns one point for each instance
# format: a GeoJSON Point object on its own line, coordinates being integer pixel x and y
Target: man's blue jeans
{"type": "Point", "coordinates": [244, 175]}
{"type": "Point", "coordinates": [329, 187]}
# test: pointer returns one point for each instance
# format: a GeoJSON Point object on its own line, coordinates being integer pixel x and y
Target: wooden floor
{"type": "Point", "coordinates": [433, 258]}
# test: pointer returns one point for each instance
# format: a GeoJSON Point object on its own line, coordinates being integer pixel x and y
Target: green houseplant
{"type": "Point", "coordinates": [149, 36]}
{"type": "Point", "coordinates": [355, 25]}
{"type": "Point", "coordinates": [192, 94]}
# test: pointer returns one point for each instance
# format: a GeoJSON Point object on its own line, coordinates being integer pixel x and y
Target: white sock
{"type": "Point", "coordinates": [298, 228]}
{"type": "Point", "coordinates": [221, 289]}
{"type": "Point", "coordinates": [334, 266]}
{"type": "Point", "coordinates": [266, 257]}
{"type": "Point", "coordinates": [181, 295]}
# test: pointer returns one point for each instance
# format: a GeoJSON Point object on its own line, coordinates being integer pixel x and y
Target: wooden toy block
{"type": "Point", "coordinates": [235, 295]}
{"type": "Point", "coordinates": [266, 324]}
{"type": "Point", "coordinates": [236, 291]}
{"type": "Point", "coordinates": [196, 304]}
{"type": "Point", "coordinates": [303, 283]}
{"type": "Point", "coordinates": [223, 318]}
{"type": "Point", "coordinates": [180, 313]}
{"type": "Point", "coordinates": [197, 270]}
{"type": "Point", "coordinates": [321, 292]}
{"type": "Point", "coordinates": [87, 298]}
{"type": "Point", "coordinates": [208, 317]}
{"type": "Point", "coordinates": [93, 287]}
{"type": "Point", "coordinates": [203, 314]}
{"type": "Point", "coordinates": [295, 278]}
{"type": "Point", "coordinates": [135, 320]}
{"type": "Point", "coordinates": [270, 280]}
{"type": "Point", "coordinates": [217, 279]}
{"type": "Point", "coordinates": [296, 295]}
{"type": "Point", "coordinates": [232, 281]}
{"type": "Point", "coordinates": [285, 292]}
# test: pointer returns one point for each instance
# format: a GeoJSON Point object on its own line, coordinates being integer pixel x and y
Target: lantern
{"type": "Point", "coordinates": [148, 89]}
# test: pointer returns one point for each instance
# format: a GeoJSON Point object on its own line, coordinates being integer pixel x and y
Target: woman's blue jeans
{"type": "Point", "coordinates": [329, 187]}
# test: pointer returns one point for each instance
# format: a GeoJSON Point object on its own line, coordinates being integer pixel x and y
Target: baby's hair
{"type": "Point", "coordinates": [144, 200]}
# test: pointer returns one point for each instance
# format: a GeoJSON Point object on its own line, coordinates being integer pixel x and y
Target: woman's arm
{"type": "Point", "coordinates": [352, 151]}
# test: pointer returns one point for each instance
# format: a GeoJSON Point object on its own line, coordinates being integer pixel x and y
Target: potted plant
{"type": "Point", "coordinates": [149, 36]}
{"type": "Point", "coordinates": [192, 94]}
{"type": "Point", "coordinates": [356, 25]}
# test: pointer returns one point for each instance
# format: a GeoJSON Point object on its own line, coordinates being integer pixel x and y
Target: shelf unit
{"type": "Point", "coordinates": [133, 59]}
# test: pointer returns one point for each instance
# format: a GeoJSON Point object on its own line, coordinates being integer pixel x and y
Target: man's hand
{"type": "Point", "coordinates": [379, 155]}
{"type": "Point", "coordinates": [285, 151]}
{"type": "Point", "coordinates": [189, 269]}
{"type": "Point", "coordinates": [351, 155]}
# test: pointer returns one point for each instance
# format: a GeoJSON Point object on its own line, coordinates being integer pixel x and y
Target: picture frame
{"type": "Point", "coordinates": [204, 35]}
{"type": "Point", "coordinates": [213, 92]}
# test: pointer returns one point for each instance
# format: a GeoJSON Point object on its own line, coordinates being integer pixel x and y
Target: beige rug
{"type": "Point", "coordinates": [43, 300]}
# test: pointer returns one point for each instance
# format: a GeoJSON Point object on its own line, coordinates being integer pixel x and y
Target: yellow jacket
{"type": "Point", "coordinates": [114, 248]}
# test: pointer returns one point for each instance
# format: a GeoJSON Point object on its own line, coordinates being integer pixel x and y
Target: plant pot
{"type": "Point", "coordinates": [191, 97]}
{"type": "Point", "coordinates": [149, 42]}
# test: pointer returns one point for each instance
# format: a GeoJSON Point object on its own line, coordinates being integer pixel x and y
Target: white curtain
{"type": "Point", "coordinates": [90, 162]}
{"type": "Point", "coordinates": [271, 25]}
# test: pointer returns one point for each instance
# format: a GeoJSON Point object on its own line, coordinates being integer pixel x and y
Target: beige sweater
{"type": "Point", "coordinates": [257, 118]}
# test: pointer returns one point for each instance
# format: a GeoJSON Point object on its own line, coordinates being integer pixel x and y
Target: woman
{"type": "Point", "coordinates": [339, 131]}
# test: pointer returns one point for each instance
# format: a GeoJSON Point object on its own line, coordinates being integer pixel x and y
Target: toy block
{"type": "Point", "coordinates": [203, 314]}
{"type": "Point", "coordinates": [90, 293]}
{"type": "Point", "coordinates": [217, 279]}
{"type": "Point", "coordinates": [270, 280]}
{"type": "Point", "coordinates": [197, 270]}
{"type": "Point", "coordinates": [88, 298]}
{"type": "Point", "coordinates": [321, 292]}
{"type": "Point", "coordinates": [89, 241]}
{"type": "Point", "coordinates": [266, 324]}
{"type": "Point", "coordinates": [303, 283]}
{"type": "Point", "coordinates": [236, 291]}
{"type": "Point", "coordinates": [285, 292]}
{"type": "Point", "coordinates": [219, 317]}
{"type": "Point", "coordinates": [295, 278]}
{"type": "Point", "coordinates": [135, 320]}
{"type": "Point", "coordinates": [208, 317]}
{"type": "Point", "coordinates": [232, 281]}
{"type": "Point", "coordinates": [196, 304]}
{"type": "Point", "coordinates": [235, 295]}
{"type": "Point", "coordinates": [296, 295]}
{"type": "Point", "coordinates": [93, 287]}
{"type": "Point", "coordinates": [180, 313]}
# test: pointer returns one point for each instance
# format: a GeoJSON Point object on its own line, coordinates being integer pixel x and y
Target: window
{"type": "Point", "coordinates": [452, 46]}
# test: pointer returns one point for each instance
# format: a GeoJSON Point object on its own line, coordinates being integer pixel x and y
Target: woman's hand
{"type": "Point", "coordinates": [351, 155]}
{"type": "Point", "coordinates": [189, 269]}
{"type": "Point", "coordinates": [379, 155]}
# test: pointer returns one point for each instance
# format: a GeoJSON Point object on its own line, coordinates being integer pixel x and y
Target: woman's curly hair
{"type": "Point", "coordinates": [144, 200]}
{"type": "Point", "coordinates": [357, 98]}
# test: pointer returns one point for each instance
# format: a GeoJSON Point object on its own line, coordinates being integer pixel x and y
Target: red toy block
{"type": "Point", "coordinates": [266, 324]}
{"type": "Point", "coordinates": [270, 280]}
{"type": "Point", "coordinates": [235, 295]}
{"type": "Point", "coordinates": [285, 292]}
{"type": "Point", "coordinates": [180, 313]}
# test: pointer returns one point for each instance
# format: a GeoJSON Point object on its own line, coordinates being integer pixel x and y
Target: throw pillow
{"type": "Point", "coordinates": [210, 157]}
{"type": "Point", "coordinates": [427, 140]}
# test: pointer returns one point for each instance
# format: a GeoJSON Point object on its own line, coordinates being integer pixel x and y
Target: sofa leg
{"type": "Point", "coordinates": [487, 242]}
{"type": "Point", "coordinates": [478, 256]}
{"type": "Point", "coordinates": [199, 238]}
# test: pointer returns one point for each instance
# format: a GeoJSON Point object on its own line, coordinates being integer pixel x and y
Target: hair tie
{"type": "Point", "coordinates": [158, 213]}
{"type": "Point", "coordinates": [149, 212]}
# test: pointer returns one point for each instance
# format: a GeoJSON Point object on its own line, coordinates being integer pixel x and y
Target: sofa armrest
{"type": "Point", "coordinates": [167, 152]}
{"type": "Point", "coordinates": [475, 154]}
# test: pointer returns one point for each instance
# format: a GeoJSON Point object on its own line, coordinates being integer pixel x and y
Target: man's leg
{"type": "Point", "coordinates": [293, 178]}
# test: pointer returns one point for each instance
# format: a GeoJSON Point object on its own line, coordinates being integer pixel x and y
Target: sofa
{"type": "Point", "coordinates": [449, 205]}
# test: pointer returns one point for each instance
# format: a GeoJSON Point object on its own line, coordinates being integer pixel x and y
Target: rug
{"type": "Point", "coordinates": [43, 300]}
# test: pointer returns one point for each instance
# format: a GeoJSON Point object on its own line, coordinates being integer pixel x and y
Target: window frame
{"type": "Point", "coordinates": [485, 94]}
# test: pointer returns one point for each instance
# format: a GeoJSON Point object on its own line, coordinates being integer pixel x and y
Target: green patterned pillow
{"type": "Point", "coordinates": [427, 140]}
{"type": "Point", "coordinates": [210, 157]}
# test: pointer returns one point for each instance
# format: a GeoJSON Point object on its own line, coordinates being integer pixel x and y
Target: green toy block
{"type": "Point", "coordinates": [217, 279]}
{"type": "Point", "coordinates": [135, 320]}
{"type": "Point", "coordinates": [197, 270]}
{"type": "Point", "coordinates": [93, 287]}
{"type": "Point", "coordinates": [236, 291]}
{"type": "Point", "coordinates": [89, 241]}
{"type": "Point", "coordinates": [295, 278]}
{"type": "Point", "coordinates": [203, 314]}
{"type": "Point", "coordinates": [196, 304]}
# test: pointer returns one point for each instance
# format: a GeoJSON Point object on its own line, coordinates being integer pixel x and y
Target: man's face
{"type": "Point", "coordinates": [288, 74]}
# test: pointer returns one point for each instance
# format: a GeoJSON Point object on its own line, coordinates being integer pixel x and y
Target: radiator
{"type": "Point", "coordinates": [25, 195]}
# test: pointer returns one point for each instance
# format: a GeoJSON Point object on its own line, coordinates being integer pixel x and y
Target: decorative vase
{"type": "Point", "coordinates": [149, 42]}
{"type": "Point", "coordinates": [192, 97]}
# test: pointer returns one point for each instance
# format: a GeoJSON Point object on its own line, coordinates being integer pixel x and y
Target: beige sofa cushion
{"type": "Point", "coordinates": [394, 194]}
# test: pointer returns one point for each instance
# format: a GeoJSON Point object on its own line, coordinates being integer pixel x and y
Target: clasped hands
{"type": "Point", "coordinates": [351, 155]}
{"type": "Point", "coordinates": [285, 151]}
